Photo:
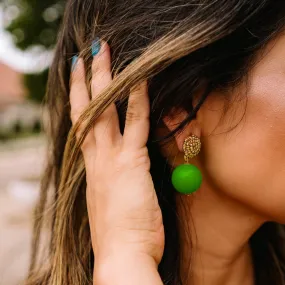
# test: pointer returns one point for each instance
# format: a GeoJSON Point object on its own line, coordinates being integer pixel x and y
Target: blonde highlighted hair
{"type": "Point", "coordinates": [179, 46]}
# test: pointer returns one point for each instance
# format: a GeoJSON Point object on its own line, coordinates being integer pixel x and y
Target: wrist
{"type": "Point", "coordinates": [126, 268]}
{"type": "Point", "coordinates": [112, 251]}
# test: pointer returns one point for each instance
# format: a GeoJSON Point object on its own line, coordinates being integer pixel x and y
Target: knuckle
{"type": "Point", "coordinates": [100, 80]}
{"type": "Point", "coordinates": [74, 115]}
{"type": "Point", "coordinates": [101, 70]}
{"type": "Point", "coordinates": [136, 90]}
{"type": "Point", "coordinates": [132, 116]}
{"type": "Point", "coordinates": [89, 148]}
{"type": "Point", "coordinates": [139, 89]}
{"type": "Point", "coordinates": [95, 67]}
{"type": "Point", "coordinates": [133, 159]}
{"type": "Point", "coordinates": [87, 145]}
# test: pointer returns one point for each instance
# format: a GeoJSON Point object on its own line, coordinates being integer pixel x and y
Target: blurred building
{"type": "Point", "coordinates": [22, 161]}
{"type": "Point", "coordinates": [12, 90]}
{"type": "Point", "coordinates": [17, 114]}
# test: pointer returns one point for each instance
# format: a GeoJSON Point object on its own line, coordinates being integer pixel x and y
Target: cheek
{"type": "Point", "coordinates": [247, 162]}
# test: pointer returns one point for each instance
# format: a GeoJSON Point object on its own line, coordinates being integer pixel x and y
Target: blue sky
{"type": "Point", "coordinates": [28, 62]}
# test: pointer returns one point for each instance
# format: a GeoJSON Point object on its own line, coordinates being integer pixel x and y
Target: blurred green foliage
{"type": "Point", "coordinates": [36, 85]}
{"type": "Point", "coordinates": [36, 25]}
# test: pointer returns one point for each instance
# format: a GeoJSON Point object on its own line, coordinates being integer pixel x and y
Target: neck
{"type": "Point", "coordinates": [219, 230]}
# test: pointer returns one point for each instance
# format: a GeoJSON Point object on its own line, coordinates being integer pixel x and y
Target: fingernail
{"type": "Point", "coordinates": [96, 46]}
{"type": "Point", "coordinates": [74, 62]}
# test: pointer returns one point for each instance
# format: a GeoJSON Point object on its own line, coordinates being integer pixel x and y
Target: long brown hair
{"type": "Point", "coordinates": [178, 46]}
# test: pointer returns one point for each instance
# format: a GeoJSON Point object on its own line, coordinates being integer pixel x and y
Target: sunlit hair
{"type": "Point", "coordinates": [180, 47]}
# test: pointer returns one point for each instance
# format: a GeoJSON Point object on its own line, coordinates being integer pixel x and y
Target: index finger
{"type": "Point", "coordinates": [79, 98]}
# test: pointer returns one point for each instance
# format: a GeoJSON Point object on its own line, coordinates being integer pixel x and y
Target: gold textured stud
{"type": "Point", "coordinates": [191, 147]}
{"type": "Point", "coordinates": [187, 178]}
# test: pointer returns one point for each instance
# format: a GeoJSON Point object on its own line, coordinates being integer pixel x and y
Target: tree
{"type": "Point", "coordinates": [36, 25]}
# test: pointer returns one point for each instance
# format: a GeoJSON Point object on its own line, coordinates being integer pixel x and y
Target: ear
{"type": "Point", "coordinates": [174, 119]}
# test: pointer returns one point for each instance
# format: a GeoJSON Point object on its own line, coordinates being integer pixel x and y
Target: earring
{"type": "Point", "coordinates": [187, 178]}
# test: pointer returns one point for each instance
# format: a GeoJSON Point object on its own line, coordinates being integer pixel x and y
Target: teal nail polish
{"type": "Point", "coordinates": [74, 62]}
{"type": "Point", "coordinates": [96, 46]}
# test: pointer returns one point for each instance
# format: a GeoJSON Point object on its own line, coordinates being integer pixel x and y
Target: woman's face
{"type": "Point", "coordinates": [243, 152]}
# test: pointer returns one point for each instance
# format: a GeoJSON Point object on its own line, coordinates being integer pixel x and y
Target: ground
{"type": "Point", "coordinates": [21, 166]}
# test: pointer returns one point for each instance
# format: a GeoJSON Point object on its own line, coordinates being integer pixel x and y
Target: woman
{"type": "Point", "coordinates": [173, 171]}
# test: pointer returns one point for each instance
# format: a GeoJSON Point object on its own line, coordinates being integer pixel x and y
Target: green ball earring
{"type": "Point", "coordinates": [187, 178]}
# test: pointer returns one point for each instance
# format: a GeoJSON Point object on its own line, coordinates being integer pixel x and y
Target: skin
{"type": "Point", "coordinates": [125, 217]}
{"type": "Point", "coordinates": [242, 163]}
{"type": "Point", "coordinates": [243, 171]}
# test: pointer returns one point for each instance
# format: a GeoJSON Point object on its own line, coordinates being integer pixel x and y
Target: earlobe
{"type": "Point", "coordinates": [174, 119]}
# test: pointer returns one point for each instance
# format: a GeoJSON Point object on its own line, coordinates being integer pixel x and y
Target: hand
{"type": "Point", "coordinates": [124, 213]}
